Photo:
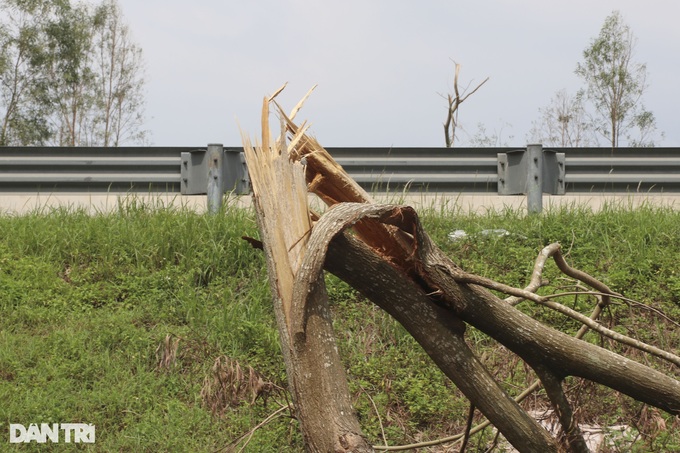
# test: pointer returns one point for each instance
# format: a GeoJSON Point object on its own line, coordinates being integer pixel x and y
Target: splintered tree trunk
{"type": "Point", "coordinates": [393, 262]}
{"type": "Point", "coordinates": [315, 373]}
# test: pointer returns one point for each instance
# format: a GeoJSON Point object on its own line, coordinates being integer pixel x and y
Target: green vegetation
{"type": "Point", "coordinates": [70, 75]}
{"type": "Point", "coordinates": [125, 320]}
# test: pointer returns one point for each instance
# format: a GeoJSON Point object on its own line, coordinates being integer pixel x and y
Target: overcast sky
{"type": "Point", "coordinates": [382, 65]}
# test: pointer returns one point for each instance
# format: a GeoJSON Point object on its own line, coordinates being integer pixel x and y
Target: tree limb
{"type": "Point", "coordinates": [536, 343]}
{"type": "Point", "coordinates": [553, 388]}
{"type": "Point", "coordinates": [439, 333]}
{"type": "Point", "coordinates": [546, 301]}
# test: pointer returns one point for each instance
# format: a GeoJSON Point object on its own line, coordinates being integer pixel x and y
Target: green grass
{"type": "Point", "coordinates": [89, 304]}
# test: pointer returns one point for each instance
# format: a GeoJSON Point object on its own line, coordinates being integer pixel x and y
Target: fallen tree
{"type": "Point", "coordinates": [389, 258]}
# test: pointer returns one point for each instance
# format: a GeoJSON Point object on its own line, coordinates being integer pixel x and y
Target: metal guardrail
{"type": "Point", "coordinates": [591, 170]}
{"type": "Point", "coordinates": [185, 169]}
{"type": "Point", "coordinates": [431, 169]}
{"type": "Point", "coordinates": [73, 169]}
{"type": "Point", "coordinates": [622, 170]}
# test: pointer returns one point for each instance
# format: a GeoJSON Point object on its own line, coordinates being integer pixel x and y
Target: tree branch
{"type": "Point", "coordinates": [463, 277]}
{"type": "Point", "coordinates": [553, 388]}
{"type": "Point", "coordinates": [530, 339]}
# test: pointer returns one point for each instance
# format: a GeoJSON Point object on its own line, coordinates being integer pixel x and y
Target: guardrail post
{"type": "Point", "coordinates": [215, 190]}
{"type": "Point", "coordinates": [531, 171]}
{"type": "Point", "coordinates": [534, 178]}
{"type": "Point", "coordinates": [214, 171]}
{"type": "Point", "coordinates": [235, 173]}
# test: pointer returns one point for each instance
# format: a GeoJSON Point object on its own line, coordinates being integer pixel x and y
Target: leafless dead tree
{"type": "Point", "coordinates": [454, 102]}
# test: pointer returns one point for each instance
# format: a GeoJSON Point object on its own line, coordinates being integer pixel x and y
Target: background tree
{"type": "Point", "coordinates": [644, 133]}
{"type": "Point", "coordinates": [615, 83]}
{"type": "Point", "coordinates": [564, 123]}
{"type": "Point", "coordinates": [454, 101]}
{"type": "Point", "coordinates": [482, 138]}
{"type": "Point", "coordinates": [71, 75]}
{"type": "Point", "coordinates": [22, 52]}
{"type": "Point", "coordinates": [120, 83]}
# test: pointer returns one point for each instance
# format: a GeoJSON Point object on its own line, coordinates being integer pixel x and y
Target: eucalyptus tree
{"type": "Point", "coordinates": [119, 90]}
{"type": "Point", "coordinates": [23, 113]}
{"type": "Point", "coordinates": [393, 262]}
{"type": "Point", "coordinates": [564, 123]}
{"type": "Point", "coordinates": [71, 75]}
{"type": "Point", "coordinates": [615, 83]}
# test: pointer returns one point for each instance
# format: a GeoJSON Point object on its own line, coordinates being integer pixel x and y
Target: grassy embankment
{"type": "Point", "coordinates": [122, 319]}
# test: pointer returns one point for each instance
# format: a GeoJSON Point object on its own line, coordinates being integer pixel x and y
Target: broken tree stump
{"type": "Point", "coordinates": [391, 260]}
{"type": "Point", "coordinates": [315, 373]}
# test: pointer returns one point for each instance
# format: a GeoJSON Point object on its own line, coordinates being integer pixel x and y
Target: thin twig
{"type": "Point", "coordinates": [375, 408]}
{"type": "Point", "coordinates": [464, 277]}
{"type": "Point", "coordinates": [494, 443]}
{"type": "Point", "coordinates": [249, 435]}
{"type": "Point", "coordinates": [536, 280]}
{"type": "Point", "coordinates": [629, 301]}
{"type": "Point", "coordinates": [468, 425]}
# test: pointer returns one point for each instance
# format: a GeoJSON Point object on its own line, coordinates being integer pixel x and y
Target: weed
{"type": "Point", "coordinates": [155, 324]}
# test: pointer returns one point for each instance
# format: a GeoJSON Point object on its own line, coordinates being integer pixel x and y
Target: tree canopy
{"type": "Point", "coordinates": [610, 105]}
{"type": "Point", "coordinates": [70, 75]}
{"type": "Point", "coordinates": [615, 84]}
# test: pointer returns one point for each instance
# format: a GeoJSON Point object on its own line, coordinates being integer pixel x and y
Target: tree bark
{"type": "Point", "coordinates": [392, 261]}
{"type": "Point", "coordinates": [570, 429]}
{"type": "Point", "coordinates": [315, 372]}
{"type": "Point", "coordinates": [441, 336]}
{"type": "Point", "coordinates": [536, 343]}
{"type": "Point", "coordinates": [437, 326]}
